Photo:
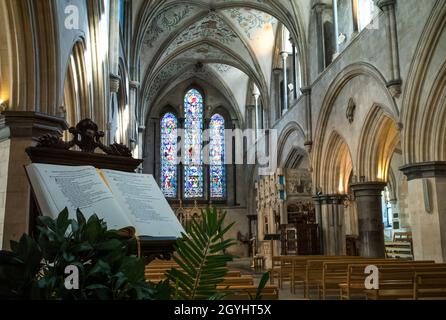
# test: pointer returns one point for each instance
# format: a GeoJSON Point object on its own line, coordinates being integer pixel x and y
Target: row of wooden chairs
{"type": "Point", "coordinates": [235, 286]}
{"type": "Point", "coordinates": [344, 277]}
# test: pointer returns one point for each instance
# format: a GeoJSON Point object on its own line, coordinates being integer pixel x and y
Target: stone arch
{"type": "Point", "coordinates": [432, 108]}
{"type": "Point", "coordinates": [293, 128]}
{"type": "Point", "coordinates": [76, 89]}
{"type": "Point", "coordinates": [215, 81]}
{"type": "Point", "coordinates": [432, 144]}
{"type": "Point", "coordinates": [337, 166]}
{"type": "Point", "coordinates": [344, 77]}
{"type": "Point", "coordinates": [379, 138]}
{"type": "Point", "coordinates": [22, 54]}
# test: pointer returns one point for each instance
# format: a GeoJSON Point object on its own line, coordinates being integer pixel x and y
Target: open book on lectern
{"type": "Point", "coordinates": [123, 200]}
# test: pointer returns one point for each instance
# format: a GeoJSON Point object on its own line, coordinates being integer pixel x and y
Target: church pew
{"type": "Point", "coordinates": [161, 276]}
{"type": "Point", "coordinates": [248, 292]}
{"type": "Point", "coordinates": [336, 273]}
{"type": "Point", "coordinates": [285, 261]}
{"type": "Point", "coordinates": [238, 281]}
{"type": "Point", "coordinates": [293, 268]}
{"type": "Point", "coordinates": [395, 280]}
{"type": "Point", "coordinates": [314, 271]}
{"type": "Point", "coordinates": [275, 269]}
{"type": "Point", "coordinates": [430, 286]}
{"type": "Point", "coordinates": [299, 270]}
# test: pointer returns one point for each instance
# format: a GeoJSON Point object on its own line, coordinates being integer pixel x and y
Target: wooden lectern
{"type": "Point", "coordinates": [51, 149]}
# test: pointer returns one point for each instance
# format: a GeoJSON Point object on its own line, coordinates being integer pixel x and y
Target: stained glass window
{"type": "Point", "coordinates": [217, 155]}
{"type": "Point", "coordinates": [193, 157]}
{"type": "Point", "coordinates": [169, 149]}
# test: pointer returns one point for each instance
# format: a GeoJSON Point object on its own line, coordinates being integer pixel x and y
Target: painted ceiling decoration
{"type": "Point", "coordinates": [251, 21]}
{"type": "Point", "coordinates": [211, 27]}
{"type": "Point", "coordinates": [232, 39]}
{"type": "Point", "coordinates": [166, 22]}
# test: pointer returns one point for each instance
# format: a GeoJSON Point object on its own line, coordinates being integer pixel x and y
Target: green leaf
{"type": "Point", "coordinates": [198, 254]}
{"type": "Point", "coordinates": [262, 285]}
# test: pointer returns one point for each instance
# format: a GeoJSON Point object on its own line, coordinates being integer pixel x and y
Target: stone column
{"type": "Point", "coordinates": [141, 145]}
{"type": "Point", "coordinates": [114, 37]}
{"type": "Point", "coordinates": [114, 108]}
{"type": "Point", "coordinates": [368, 197]}
{"type": "Point", "coordinates": [285, 82]}
{"type": "Point", "coordinates": [133, 107]}
{"type": "Point", "coordinates": [306, 92]}
{"type": "Point", "coordinates": [355, 17]}
{"type": "Point", "coordinates": [294, 71]}
{"type": "Point", "coordinates": [278, 109]}
{"type": "Point", "coordinates": [330, 216]}
{"type": "Point", "coordinates": [256, 95]}
{"type": "Point", "coordinates": [319, 9]}
{"type": "Point", "coordinates": [251, 122]}
{"type": "Point", "coordinates": [24, 128]}
{"type": "Point", "coordinates": [335, 28]}
{"type": "Point", "coordinates": [427, 209]}
{"type": "Point", "coordinates": [318, 206]}
{"type": "Point", "coordinates": [388, 6]}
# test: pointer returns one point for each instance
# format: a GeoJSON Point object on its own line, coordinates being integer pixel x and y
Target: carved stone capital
{"type": "Point", "coordinates": [33, 124]}
{"type": "Point", "coordinates": [114, 83]}
{"type": "Point", "coordinates": [384, 3]}
{"type": "Point", "coordinates": [366, 189]}
{"type": "Point", "coordinates": [305, 90]}
{"type": "Point", "coordinates": [134, 84]}
{"type": "Point", "coordinates": [309, 146]}
{"type": "Point", "coordinates": [395, 87]}
{"type": "Point", "coordinates": [319, 7]}
{"type": "Point", "coordinates": [329, 199]}
{"type": "Point", "coordinates": [424, 170]}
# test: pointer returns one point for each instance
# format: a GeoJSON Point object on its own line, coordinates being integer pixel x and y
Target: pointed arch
{"type": "Point", "coordinates": [336, 166]}
{"type": "Point", "coordinates": [76, 90]}
{"type": "Point", "coordinates": [379, 138]}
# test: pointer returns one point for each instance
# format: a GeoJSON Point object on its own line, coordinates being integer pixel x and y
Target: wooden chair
{"type": "Point", "coordinates": [430, 285]}
{"type": "Point", "coordinates": [314, 272]}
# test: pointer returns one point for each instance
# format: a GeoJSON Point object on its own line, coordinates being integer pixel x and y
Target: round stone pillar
{"type": "Point", "coordinates": [371, 228]}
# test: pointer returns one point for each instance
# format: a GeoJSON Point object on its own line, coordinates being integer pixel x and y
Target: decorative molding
{"type": "Point", "coordinates": [395, 87]}
{"type": "Point", "coordinates": [350, 113]}
{"type": "Point", "coordinates": [33, 124]}
{"type": "Point", "coordinates": [134, 84]}
{"type": "Point", "coordinates": [424, 170]}
{"type": "Point", "coordinates": [367, 189]}
{"type": "Point", "coordinates": [384, 3]}
{"type": "Point", "coordinates": [115, 81]}
{"type": "Point", "coordinates": [306, 90]}
{"type": "Point", "coordinates": [328, 199]}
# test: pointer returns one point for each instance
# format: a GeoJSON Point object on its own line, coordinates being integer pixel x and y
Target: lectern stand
{"type": "Point", "coordinates": [51, 149]}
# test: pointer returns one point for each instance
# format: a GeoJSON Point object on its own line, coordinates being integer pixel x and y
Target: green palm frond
{"type": "Point", "coordinates": [201, 258]}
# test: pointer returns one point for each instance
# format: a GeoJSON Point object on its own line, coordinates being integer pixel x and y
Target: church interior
{"type": "Point", "coordinates": [349, 96]}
